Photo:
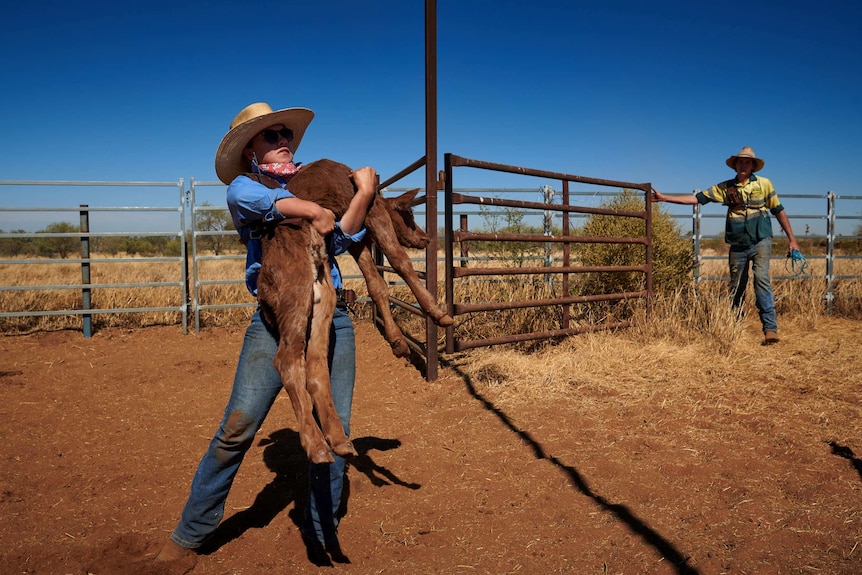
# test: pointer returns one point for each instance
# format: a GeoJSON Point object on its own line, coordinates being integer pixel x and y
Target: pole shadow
{"type": "Point", "coordinates": [621, 512]}
{"type": "Point", "coordinates": [847, 453]}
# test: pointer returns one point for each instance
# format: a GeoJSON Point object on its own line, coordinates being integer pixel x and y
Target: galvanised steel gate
{"type": "Point", "coordinates": [22, 203]}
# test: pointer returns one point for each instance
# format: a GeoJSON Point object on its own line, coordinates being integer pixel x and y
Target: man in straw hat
{"type": "Point", "coordinates": [748, 230]}
{"type": "Point", "coordinates": [263, 141]}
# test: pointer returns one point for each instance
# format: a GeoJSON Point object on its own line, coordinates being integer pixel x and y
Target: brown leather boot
{"type": "Point", "coordinates": [173, 552]}
{"type": "Point", "coordinates": [770, 338]}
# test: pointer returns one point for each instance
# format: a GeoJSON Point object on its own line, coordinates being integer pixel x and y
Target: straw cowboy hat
{"type": "Point", "coordinates": [746, 152]}
{"type": "Point", "coordinates": [229, 160]}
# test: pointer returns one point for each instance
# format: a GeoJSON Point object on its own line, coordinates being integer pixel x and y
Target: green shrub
{"type": "Point", "coordinates": [673, 255]}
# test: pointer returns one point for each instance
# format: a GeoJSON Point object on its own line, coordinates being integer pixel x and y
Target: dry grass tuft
{"type": "Point", "coordinates": [811, 376]}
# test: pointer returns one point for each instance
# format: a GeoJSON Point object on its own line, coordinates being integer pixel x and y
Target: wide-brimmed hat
{"type": "Point", "coordinates": [746, 152]}
{"type": "Point", "coordinates": [229, 161]}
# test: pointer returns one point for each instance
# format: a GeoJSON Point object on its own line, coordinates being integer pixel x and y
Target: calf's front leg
{"type": "Point", "coordinates": [387, 241]}
{"type": "Point", "coordinates": [379, 293]}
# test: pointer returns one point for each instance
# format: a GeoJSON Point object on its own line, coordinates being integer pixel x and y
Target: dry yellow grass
{"type": "Point", "coordinates": [691, 353]}
{"type": "Point", "coordinates": [700, 307]}
{"type": "Point", "coordinates": [101, 298]}
{"type": "Point", "coordinates": [692, 372]}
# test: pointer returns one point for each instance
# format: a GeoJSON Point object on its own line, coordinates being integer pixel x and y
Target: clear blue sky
{"type": "Point", "coordinates": [659, 92]}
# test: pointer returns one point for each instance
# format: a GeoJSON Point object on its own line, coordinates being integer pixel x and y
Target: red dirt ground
{"type": "Point", "coordinates": [101, 437]}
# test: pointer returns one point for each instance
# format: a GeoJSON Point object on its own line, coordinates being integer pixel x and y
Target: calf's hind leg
{"type": "Point", "coordinates": [317, 367]}
{"type": "Point", "coordinates": [290, 361]}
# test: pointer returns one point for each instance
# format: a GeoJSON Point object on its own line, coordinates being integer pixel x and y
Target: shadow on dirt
{"type": "Point", "coordinates": [284, 456]}
{"type": "Point", "coordinates": [377, 474]}
{"type": "Point", "coordinates": [621, 512]}
{"type": "Point", "coordinates": [847, 453]}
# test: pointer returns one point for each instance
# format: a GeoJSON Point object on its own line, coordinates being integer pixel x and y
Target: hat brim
{"type": "Point", "coordinates": [758, 163]}
{"type": "Point", "coordinates": [229, 161]}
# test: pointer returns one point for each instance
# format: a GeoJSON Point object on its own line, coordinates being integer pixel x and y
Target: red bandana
{"type": "Point", "coordinates": [281, 169]}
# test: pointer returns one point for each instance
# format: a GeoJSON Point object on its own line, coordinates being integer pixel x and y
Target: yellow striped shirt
{"type": "Point", "coordinates": [748, 223]}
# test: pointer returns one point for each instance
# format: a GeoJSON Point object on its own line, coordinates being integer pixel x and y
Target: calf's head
{"type": "Point", "coordinates": [401, 213]}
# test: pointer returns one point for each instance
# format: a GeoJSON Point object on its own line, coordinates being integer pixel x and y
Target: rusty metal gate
{"type": "Point", "coordinates": [565, 297]}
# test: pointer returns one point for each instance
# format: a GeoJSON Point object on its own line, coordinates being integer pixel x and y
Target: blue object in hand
{"type": "Point", "coordinates": [798, 264]}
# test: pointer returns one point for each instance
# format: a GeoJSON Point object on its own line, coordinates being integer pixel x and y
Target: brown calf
{"type": "Point", "coordinates": [390, 225]}
{"type": "Point", "coordinates": [297, 297]}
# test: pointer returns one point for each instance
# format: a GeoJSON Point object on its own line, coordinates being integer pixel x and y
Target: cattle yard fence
{"type": "Point", "coordinates": [181, 210]}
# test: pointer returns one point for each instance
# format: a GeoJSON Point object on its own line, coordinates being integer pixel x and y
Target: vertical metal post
{"type": "Point", "coordinates": [194, 233]}
{"type": "Point", "coordinates": [85, 271]}
{"type": "Point", "coordinates": [431, 180]}
{"type": "Point", "coordinates": [449, 217]}
{"type": "Point", "coordinates": [567, 254]}
{"type": "Point", "coordinates": [695, 237]}
{"type": "Point", "coordinates": [548, 230]}
{"type": "Point", "coordinates": [377, 256]}
{"type": "Point", "coordinates": [184, 254]}
{"type": "Point", "coordinates": [649, 247]}
{"type": "Point", "coordinates": [465, 249]}
{"type": "Point", "coordinates": [830, 250]}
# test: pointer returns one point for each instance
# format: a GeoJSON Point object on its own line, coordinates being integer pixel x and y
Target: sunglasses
{"type": "Point", "coordinates": [272, 136]}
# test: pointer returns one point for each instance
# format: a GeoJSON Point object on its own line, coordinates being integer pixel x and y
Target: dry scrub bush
{"type": "Point", "coordinates": [672, 254]}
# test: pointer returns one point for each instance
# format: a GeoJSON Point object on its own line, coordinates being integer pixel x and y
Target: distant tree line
{"type": "Point", "coordinates": [509, 221]}
{"type": "Point", "coordinates": [66, 247]}
{"type": "Point", "coordinates": [148, 246]}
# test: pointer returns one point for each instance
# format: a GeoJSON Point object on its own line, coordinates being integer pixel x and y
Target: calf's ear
{"type": "Point", "coordinates": [405, 200]}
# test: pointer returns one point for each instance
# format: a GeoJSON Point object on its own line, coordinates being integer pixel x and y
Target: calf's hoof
{"type": "Point", "coordinates": [345, 449]}
{"type": "Point", "coordinates": [321, 456]}
{"type": "Point", "coordinates": [399, 348]}
{"type": "Point", "coordinates": [444, 321]}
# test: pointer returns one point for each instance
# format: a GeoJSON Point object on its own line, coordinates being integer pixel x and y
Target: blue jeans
{"type": "Point", "coordinates": [758, 255]}
{"type": "Point", "coordinates": [255, 387]}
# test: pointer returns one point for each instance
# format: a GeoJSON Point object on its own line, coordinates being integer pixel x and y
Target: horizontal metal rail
{"type": "Point", "coordinates": [463, 236]}
{"type": "Point", "coordinates": [463, 308]}
{"type": "Point", "coordinates": [467, 272]}
{"type": "Point", "coordinates": [86, 312]}
{"type": "Point", "coordinates": [462, 197]}
{"type": "Point", "coordinates": [91, 286]}
{"type": "Point", "coordinates": [83, 236]}
{"type": "Point", "coordinates": [463, 345]}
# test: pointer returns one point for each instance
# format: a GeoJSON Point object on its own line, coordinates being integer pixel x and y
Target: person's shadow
{"type": "Point", "coordinates": [284, 456]}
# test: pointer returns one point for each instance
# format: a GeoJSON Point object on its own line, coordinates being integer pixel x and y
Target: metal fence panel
{"type": "Point", "coordinates": [129, 217]}
{"type": "Point", "coordinates": [182, 219]}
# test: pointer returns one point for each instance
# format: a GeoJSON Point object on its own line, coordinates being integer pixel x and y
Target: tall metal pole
{"type": "Point", "coordinates": [85, 270]}
{"type": "Point", "coordinates": [830, 250]}
{"type": "Point", "coordinates": [431, 179]}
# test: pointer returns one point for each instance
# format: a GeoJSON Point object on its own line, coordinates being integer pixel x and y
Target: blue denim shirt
{"type": "Point", "coordinates": [251, 202]}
